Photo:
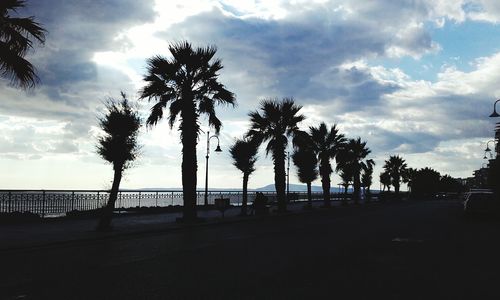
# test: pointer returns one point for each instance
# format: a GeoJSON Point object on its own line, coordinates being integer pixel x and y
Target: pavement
{"type": "Point", "coordinates": [57, 231]}
{"type": "Point", "coordinates": [392, 250]}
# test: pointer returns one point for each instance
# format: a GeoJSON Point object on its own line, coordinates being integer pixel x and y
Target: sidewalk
{"type": "Point", "coordinates": [65, 231]}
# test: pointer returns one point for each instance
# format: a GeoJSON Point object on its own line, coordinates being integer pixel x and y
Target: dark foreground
{"type": "Point", "coordinates": [414, 250]}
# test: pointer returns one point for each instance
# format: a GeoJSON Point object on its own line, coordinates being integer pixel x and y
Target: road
{"type": "Point", "coordinates": [410, 250]}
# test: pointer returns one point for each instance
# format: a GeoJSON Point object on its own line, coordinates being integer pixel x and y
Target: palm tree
{"type": "Point", "coordinates": [278, 122]}
{"type": "Point", "coordinates": [306, 161]}
{"type": "Point", "coordinates": [367, 177]}
{"type": "Point", "coordinates": [244, 154]}
{"type": "Point", "coordinates": [395, 167]}
{"type": "Point", "coordinates": [326, 144]}
{"type": "Point", "coordinates": [188, 84]}
{"type": "Point", "coordinates": [408, 176]}
{"type": "Point", "coordinates": [346, 177]}
{"type": "Point", "coordinates": [385, 180]}
{"type": "Point", "coordinates": [16, 35]}
{"type": "Point", "coordinates": [118, 146]}
{"type": "Point", "coordinates": [350, 157]}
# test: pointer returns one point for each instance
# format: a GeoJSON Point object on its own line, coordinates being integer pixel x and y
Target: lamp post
{"type": "Point", "coordinates": [495, 114]}
{"type": "Point", "coordinates": [218, 149]}
{"type": "Point", "coordinates": [288, 177]}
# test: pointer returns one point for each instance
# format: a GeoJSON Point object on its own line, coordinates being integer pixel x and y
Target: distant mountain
{"type": "Point", "coordinates": [300, 188]}
{"type": "Point", "coordinates": [267, 188]}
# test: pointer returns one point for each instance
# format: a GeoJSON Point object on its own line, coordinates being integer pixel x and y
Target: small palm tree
{"type": "Point", "coordinates": [385, 180]}
{"type": "Point", "coordinates": [306, 161]}
{"type": "Point", "coordinates": [16, 35]}
{"type": "Point", "coordinates": [346, 177]}
{"type": "Point", "coordinates": [351, 158]}
{"type": "Point", "coordinates": [395, 167]}
{"type": "Point", "coordinates": [367, 178]}
{"type": "Point", "coordinates": [187, 83]}
{"type": "Point", "coordinates": [244, 154]}
{"type": "Point", "coordinates": [326, 144]}
{"type": "Point", "coordinates": [277, 121]}
{"type": "Point", "coordinates": [408, 176]}
{"type": "Point", "coordinates": [118, 146]}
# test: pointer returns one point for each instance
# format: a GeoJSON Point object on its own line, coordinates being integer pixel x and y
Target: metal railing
{"type": "Point", "coordinates": [56, 203]}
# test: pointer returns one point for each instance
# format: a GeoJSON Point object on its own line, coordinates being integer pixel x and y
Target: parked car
{"type": "Point", "coordinates": [481, 202]}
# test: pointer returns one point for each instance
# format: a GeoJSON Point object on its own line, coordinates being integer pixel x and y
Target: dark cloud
{"type": "Point", "coordinates": [78, 29]}
{"type": "Point", "coordinates": [289, 54]}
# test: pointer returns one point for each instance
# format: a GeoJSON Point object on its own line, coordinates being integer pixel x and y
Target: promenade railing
{"type": "Point", "coordinates": [56, 203]}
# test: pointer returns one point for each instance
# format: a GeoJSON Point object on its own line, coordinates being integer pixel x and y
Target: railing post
{"type": "Point", "coordinates": [73, 200]}
{"type": "Point", "coordinates": [156, 199]}
{"type": "Point", "coordinates": [10, 200]}
{"type": "Point", "coordinates": [172, 199]}
{"type": "Point", "coordinates": [139, 199]}
{"type": "Point", "coordinates": [120, 202]}
{"type": "Point", "coordinates": [43, 204]}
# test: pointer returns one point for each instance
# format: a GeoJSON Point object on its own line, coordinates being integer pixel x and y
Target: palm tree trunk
{"type": "Point", "coordinates": [309, 195]}
{"type": "Point", "coordinates": [325, 184]}
{"type": "Point", "coordinates": [356, 188]}
{"type": "Point", "coordinates": [189, 139]}
{"type": "Point", "coordinates": [279, 178]}
{"type": "Point", "coordinates": [107, 212]}
{"type": "Point", "coordinates": [244, 202]}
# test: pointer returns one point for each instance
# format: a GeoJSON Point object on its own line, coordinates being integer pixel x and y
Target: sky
{"type": "Point", "coordinates": [415, 78]}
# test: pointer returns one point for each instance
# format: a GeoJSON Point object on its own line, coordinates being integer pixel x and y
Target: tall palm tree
{"type": "Point", "coordinates": [278, 122]}
{"type": "Point", "coordinates": [326, 144]}
{"type": "Point", "coordinates": [395, 166]}
{"type": "Point", "coordinates": [385, 180]}
{"type": "Point", "coordinates": [16, 35]}
{"type": "Point", "coordinates": [118, 146]}
{"type": "Point", "coordinates": [187, 83]}
{"type": "Point", "coordinates": [306, 161]}
{"type": "Point", "coordinates": [367, 178]}
{"type": "Point", "coordinates": [351, 158]}
{"type": "Point", "coordinates": [244, 154]}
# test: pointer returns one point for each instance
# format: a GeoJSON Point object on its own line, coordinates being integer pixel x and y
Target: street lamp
{"type": "Point", "coordinates": [495, 114]}
{"type": "Point", "coordinates": [485, 157]}
{"type": "Point", "coordinates": [218, 149]}
{"type": "Point", "coordinates": [488, 148]}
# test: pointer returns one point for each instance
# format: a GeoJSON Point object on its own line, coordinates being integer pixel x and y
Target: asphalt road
{"type": "Point", "coordinates": [411, 250]}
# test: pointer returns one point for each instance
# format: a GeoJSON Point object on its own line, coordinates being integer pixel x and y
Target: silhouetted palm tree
{"type": "Point", "coordinates": [367, 177]}
{"type": "Point", "coordinates": [408, 176]}
{"type": "Point", "coordinates": [395, 167]}
{"type": "Point", "coordinates": [276, 124]}
{"type": "Point", "coordinates": [326, 144]}
{"type": "Point", "coordinates": [16, 35]}
{"type": "Point", "coordinates": [118, 146]}
{"type": "Point", "coordinates": [244, 154]}
{"type": "Point", "coordinates": [350, 157]}
{"type": "Point", "coordinates": [306, 161]}
{"type": "Point", "coordinates": [385, 180]}
{"type": "Point", "coordinates": [346, 177]}
{"type": "Point", "coordinates": [187, 83]}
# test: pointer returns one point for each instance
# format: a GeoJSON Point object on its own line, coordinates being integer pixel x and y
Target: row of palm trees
{"type": "Point", "coordinates": [186, 86]}
{"type": "Point", "coordinates": [276, 122]}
